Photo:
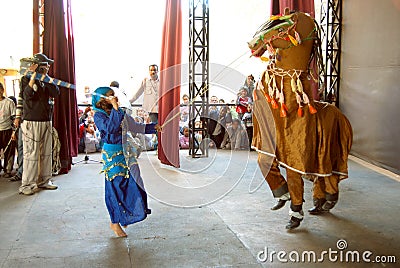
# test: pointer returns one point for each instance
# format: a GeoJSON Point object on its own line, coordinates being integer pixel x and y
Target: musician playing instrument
{"type": "Point", "coordinates": [37, 99]}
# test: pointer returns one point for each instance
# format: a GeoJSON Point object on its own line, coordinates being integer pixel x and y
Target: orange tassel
{"type": "Point", "coordinates": [274, 104]}
{"type": "Point", "coordinates": [283, 110]}
{"type": "Point", "coordinates": [312, 109]}
{"type": "Point", "coordinates": [267, 97]}
{"type": "Point", "coordinates": [300, 112]}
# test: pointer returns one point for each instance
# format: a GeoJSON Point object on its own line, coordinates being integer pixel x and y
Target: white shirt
{"type": "Point", "coordinates": [7, 111]}
{"type": "Point", "coordinates": [150, 88]}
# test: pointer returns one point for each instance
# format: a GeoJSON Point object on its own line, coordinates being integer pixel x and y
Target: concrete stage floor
{"type": "Point", "coordinates": [69, 227]}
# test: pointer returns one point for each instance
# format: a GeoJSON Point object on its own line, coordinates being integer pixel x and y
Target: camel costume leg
{"type": "Point", "coordinates": [326, 189]}
{"type": "Point", "coordinates": [275, 180]}
{"type": "Point", "coordinates": [325, 194]}
{"type": "Point", "coordinates": [264, 142]}
{"type": "Point", "coordinates": [296, 190]}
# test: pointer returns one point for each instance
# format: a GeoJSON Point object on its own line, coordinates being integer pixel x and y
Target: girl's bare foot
{"type": "Point", "coordinates": [118, 230]}
{"type": "Point", "coordinates": [125, 226]}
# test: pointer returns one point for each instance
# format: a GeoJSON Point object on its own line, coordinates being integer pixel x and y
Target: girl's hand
{"type": "Point", "coordinates": [114, 101]}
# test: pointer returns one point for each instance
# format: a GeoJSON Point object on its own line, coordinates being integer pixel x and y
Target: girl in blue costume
{"type": "Point", "coordinates": [125, 197]}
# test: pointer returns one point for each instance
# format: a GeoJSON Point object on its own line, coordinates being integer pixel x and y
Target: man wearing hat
{"type": "Point", "coordinates": [37, 127]}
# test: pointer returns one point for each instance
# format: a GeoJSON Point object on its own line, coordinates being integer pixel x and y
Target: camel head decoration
{"type": "Point", "coordinates": [289, 40]}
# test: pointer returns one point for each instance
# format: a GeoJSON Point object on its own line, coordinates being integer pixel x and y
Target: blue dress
{"type": "Point", "coordinates": [125, 196]}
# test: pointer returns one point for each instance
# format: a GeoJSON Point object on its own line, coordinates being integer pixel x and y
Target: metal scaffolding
{"type": "Point", "coordinates": [38, 25]}
{"type": "Point", "coordinates": [331, 32]}
{"type": "Point", "coordinates": [198, 75]}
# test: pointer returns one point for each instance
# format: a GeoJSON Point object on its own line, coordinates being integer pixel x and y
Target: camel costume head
{"type": "Point", "coordinates": [289, 40]}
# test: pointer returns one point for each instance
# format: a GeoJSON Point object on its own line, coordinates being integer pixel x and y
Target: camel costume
{"type": "Point", "coordinates": [309, 138]}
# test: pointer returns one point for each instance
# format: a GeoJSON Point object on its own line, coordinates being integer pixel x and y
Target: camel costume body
{"type": "Point", "coordinates": [309, 138]}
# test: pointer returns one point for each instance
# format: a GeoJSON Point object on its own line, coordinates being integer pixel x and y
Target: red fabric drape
{"type": "Point", "coordinates": [306, 6]}
{"type": "Point", "coordinates": [58, 44]}
{"type": "Point", "coordinates": [170, 78]}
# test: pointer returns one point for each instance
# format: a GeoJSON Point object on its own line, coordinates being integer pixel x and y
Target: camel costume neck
{"type": "Point", "coordinates": [289, 40]}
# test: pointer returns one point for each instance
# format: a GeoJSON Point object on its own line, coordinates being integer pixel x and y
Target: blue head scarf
{"type": "Point", "coordinates": [96, 97]}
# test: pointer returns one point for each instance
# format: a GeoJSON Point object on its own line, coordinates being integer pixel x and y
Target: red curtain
{"type": "Point", "coordinates": [170, 79]}
{"type": "Point", "coordinates": [306, 6]}
{"type": "Point", "coordinates": [58, 44]}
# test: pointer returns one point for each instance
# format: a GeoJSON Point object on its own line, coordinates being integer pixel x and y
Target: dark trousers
{"type": "Point", "coordinates": [7, 146]}
{"type": "Point", "coordinates": [217, 139]}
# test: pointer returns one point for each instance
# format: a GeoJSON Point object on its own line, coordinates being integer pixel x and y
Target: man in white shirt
{"type": "Point", "coordinates": [150, 89]}
{"type": "Point", "coordinates": [7, 114]}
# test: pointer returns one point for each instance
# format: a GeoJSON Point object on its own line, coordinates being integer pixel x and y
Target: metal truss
{"type": "Point", "coordinates": [38, 25]}
{"type": "Point", "coordinates": [331, 33]}
{"type": "Point", "coordinates": [198, 75]}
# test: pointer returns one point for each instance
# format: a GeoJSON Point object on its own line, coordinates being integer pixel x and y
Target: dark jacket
{"type": "Point", "coordinates": [217, 118]}
{"type": "Point", "coordinates": [37, 105]}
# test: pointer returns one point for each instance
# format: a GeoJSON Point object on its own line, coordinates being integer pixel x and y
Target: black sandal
{"type": "Point", "coordinates": [15, 178]}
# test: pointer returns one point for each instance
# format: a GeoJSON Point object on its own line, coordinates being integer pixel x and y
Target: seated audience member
{"type": "Point", "coordinates": [146, 118]}
{"type": "Point", "coordinates": [213, 114]}
{"type": "Point", "coordinates": [198, 137]}
{"type": "Point", "coordinates": [185, 109]}
{"type": "Point", "coordinates": [140, 112]}
{"type": "Point", "coordinates": [232, 108]}
{"type": "Point", "coordinates": [248, 123]}
{"type": "Point", "coordinates": [184, 139]}
{"type": "Point", "coordinates": [235, 137]}
{"type": "Point", "coordinates": [88, 95]}
{"type": "Point", "coordinates": [147, 141]}
{"type": "Point", "coordinates": [92, 141]}
{"type": "Point", "coordinates": [249, 83]}
{"type": "Point", "coordinates": [242, 102]}
{"type": "Point", "coordinates": [84, 115]}
{"type": "Point", "coordinates": [219, 126]}
{"type": "Point", "coordinates": [81, 145]}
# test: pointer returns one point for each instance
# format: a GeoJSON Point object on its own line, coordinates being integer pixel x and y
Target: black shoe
{"type": "Point", "coordinates": [7, 175]}
{"type": "Point", "coordinates": [317, 209]}
{"type": "Point", "coordinates": [280, 204]}
{"type": "Point", "coordinates": [328, 205]}
{"type": "Point", "coordinates": [293, 223]}
{"type": "Point", "coordinates": [147, 211]}
{"type": "Point", "coordinates": [15, 178]}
